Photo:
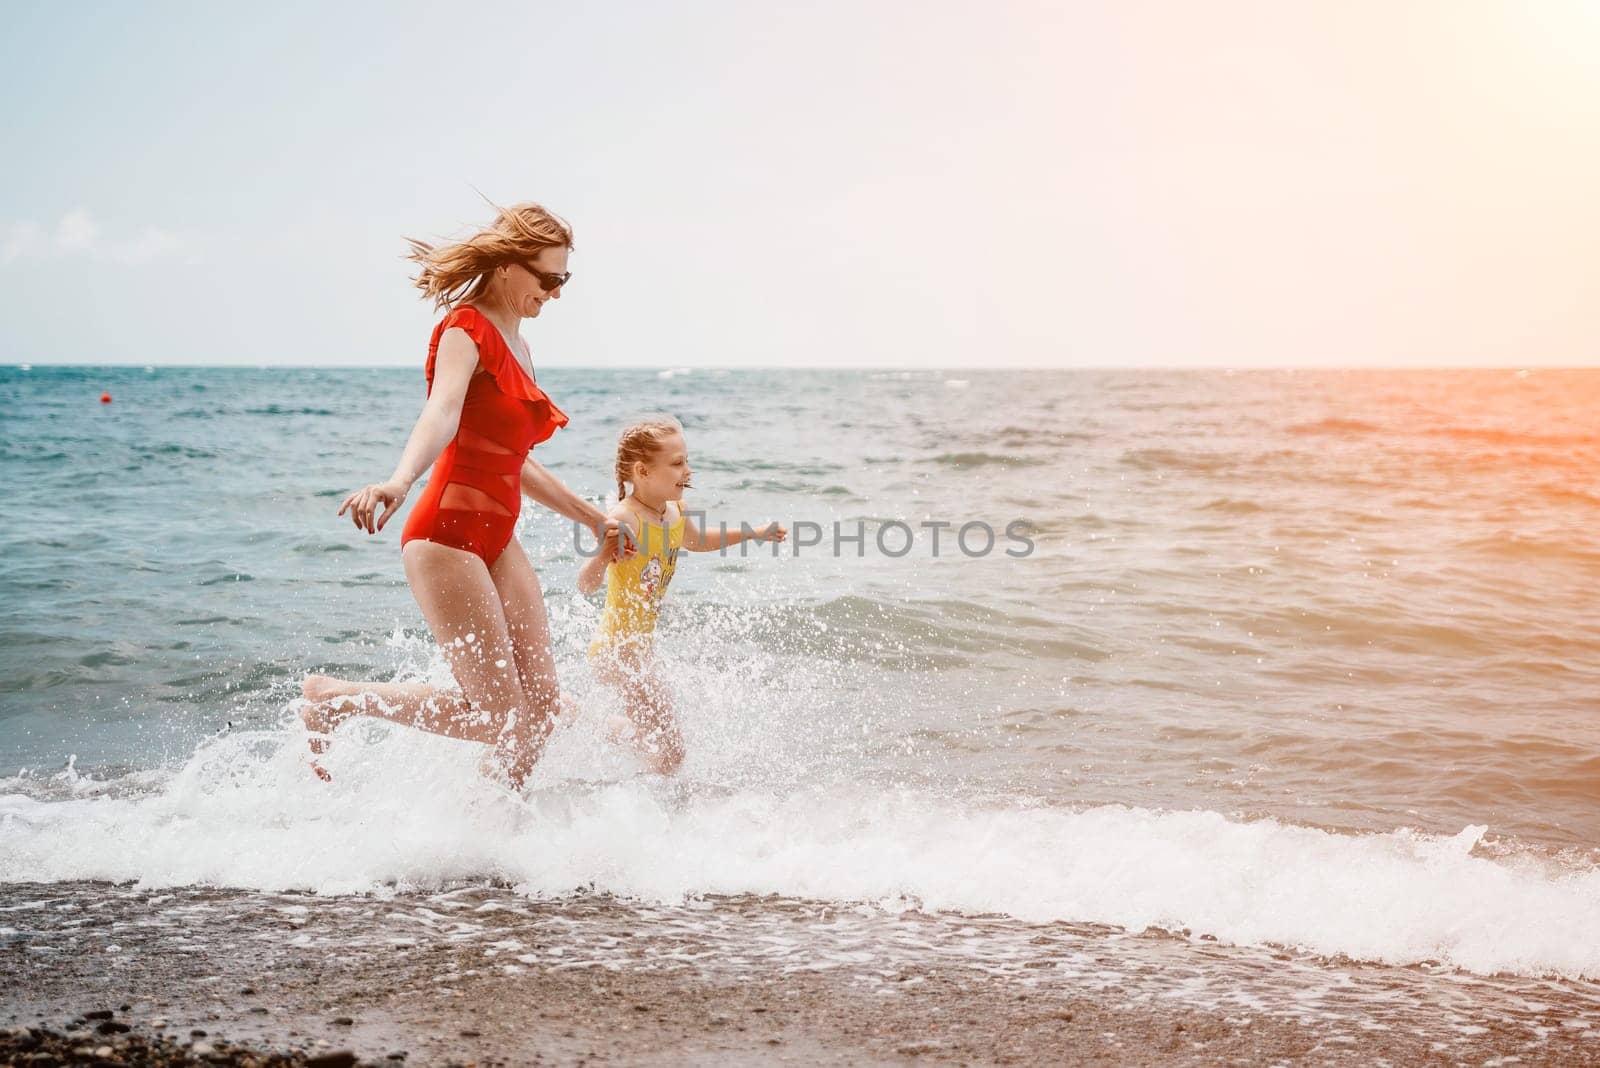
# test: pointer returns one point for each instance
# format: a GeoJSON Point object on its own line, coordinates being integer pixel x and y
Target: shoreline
{"type": "Point", "coordinates": [481, 976]}
{"type": "Point", "coordinates": [622, 1018]}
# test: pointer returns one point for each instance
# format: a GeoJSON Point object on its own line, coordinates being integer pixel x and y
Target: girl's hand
{"type": "Point", "coordinates": [773, 531]}
{"type": "Point", "coordinates": [363, 504]}
{"type": "Point", "coordinates": [614, 543]}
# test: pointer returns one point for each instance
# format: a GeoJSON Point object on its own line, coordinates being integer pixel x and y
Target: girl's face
{"type": "Point", "coordinates": [667, 474]}
{"type": "Point", "coordinates": [523, 285]}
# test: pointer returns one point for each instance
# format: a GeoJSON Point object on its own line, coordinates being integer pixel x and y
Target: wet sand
{"type": "Point", "coordinates": [484, 977]}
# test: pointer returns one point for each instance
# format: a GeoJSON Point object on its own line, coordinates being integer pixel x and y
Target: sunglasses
{"type": "Point", "coordinates": [550, 282]}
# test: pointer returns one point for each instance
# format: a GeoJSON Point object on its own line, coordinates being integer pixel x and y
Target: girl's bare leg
{"type": "Point", "coordinates": [648, 704]}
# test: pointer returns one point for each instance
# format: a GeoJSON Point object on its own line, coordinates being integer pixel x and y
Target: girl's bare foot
{"type": "Point", "coordinates": [569, 711]}
{"type": "Point", "coordinates": [619, 730]}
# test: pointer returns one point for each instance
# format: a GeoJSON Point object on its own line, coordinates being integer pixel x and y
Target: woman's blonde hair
{"type": "Point", "coordinates": [461, 271]}
{"type": "Point", "coordinates": [638, 443]}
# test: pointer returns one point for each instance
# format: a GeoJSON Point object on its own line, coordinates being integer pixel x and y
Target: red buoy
{"type": "Point", "coordinates": [105, 398]}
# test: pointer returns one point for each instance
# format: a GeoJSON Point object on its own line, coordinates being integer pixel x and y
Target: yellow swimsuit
{"type": "Point", "coordinates": [635, 586]}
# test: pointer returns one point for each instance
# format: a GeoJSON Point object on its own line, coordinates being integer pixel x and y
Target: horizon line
{"type": "Point", "coordinates": [987, 369]}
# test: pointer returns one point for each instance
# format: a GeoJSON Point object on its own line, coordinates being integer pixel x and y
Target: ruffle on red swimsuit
{"type": "Point", "coordinates": [473, 497]}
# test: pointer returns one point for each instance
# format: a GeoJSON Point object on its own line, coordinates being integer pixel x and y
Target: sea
{"type": "Point", "coordinates": [1295, 673]}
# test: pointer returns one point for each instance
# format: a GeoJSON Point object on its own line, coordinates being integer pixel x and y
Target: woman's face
{"type": "Point", "coordinates": [523, 287]}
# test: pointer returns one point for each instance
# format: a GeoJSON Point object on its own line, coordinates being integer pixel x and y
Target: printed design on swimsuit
{"type": "Point", "coordinates": [650, 580]}
{"type": "Point", "coordinates": [661, 563]}
{"type": "Point", "coordinates": [636, 585]}
{"type": "Point", "coordinates": [667, 572]}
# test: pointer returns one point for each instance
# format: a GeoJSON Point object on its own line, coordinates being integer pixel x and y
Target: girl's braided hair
{"type": "Point", "coordinates": [638, 443]}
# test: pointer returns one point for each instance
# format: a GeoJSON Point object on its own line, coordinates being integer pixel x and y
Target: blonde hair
{"type": "Point", "coordinates": [639, 442]}
{"type": "Point", "coordinates": [461, 271]}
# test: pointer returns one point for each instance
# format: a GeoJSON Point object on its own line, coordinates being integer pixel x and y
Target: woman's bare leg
{"type": "Point", "coordinates": [522, 600]}
{"type": "Point", "coordinates": [331, 701]}
{"type": "Point", "coordinates": [418, 704]}
{"type": "Point", "coordinates": [528, 627]}
{"type": "Point", "coordinates": [502, 609]}
{"type": "Point", "coordinates": [463, 610]}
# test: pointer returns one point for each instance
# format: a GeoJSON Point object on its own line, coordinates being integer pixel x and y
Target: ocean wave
{"type": "Point", "coordinates": [1015, 436]}
{"type": "Point", "coordinates": [410, 812]}
{"type": "Point", "coordinates": [32, 454]}
{"type": "Point", "coordinates": [1489, 435]}
{"type": "Point", "coordinates": [1335, 426]}
{"type": "Point", "coordinates": [165, 450]}
{"type": "Point", "coordinates": [1510, 545]}
{"type": "Point", "coordinates": [925, 634]}
{"type": "Point", "coordinates": [982, 459]}
{"type": "Point", "coordinates": [1555, 492]}
{"type": "Point", "coordinates": [278, 409]}
{"type": "Point", "coordinates": [1176, 460]}
{"type": "Point", "coordinates": [809, 470]}
{"type": "Point", "coordinates": [230, 576]}
{"type": "Point", "coordinates": [779, 486]}
{"type": "Point", "coordinates": [1232, 506]}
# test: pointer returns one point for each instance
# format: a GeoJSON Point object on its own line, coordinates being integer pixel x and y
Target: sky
{"type": "Point", "coordinates": [852, 184]}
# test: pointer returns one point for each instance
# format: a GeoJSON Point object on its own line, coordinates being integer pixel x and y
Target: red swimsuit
{"type": "Point", "coordinates": [473, 497]}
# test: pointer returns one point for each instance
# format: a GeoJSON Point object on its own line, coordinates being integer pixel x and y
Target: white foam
{"type": "Point", "coordinates": [410, 811]}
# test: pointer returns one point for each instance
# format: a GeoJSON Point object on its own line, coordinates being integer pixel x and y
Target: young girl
{"type": "Point", "coordinates": [652, 456]}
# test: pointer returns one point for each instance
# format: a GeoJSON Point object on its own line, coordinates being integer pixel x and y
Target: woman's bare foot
{"type": "Point", "coordinates": [318, 688]}
{"type": "Point", "coordinates": [316, 736]}
{"type": "Point", "coordinates": [328, 703]}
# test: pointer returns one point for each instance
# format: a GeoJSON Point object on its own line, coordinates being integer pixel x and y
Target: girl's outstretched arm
{"type": "Point", "coordinates": [703, 541]}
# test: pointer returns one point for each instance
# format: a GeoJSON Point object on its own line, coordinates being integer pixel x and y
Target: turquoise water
{"type": "Point", "coordinates": [1351, 605]}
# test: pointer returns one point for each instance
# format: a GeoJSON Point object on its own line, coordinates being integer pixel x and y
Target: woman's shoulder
{"type": "Point", "coordinates": [465, 322]}
{"type": "Point", "coordinates": [458, 340]}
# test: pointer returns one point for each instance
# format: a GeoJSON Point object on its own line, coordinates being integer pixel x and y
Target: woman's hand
{"type": "Point", "coordinates": [363, 504]}
{"type": "Point", "coordinates": [773, 531]}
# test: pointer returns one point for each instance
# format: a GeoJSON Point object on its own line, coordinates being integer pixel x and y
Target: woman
{"type": "Point", "coordinates": [471, 578]}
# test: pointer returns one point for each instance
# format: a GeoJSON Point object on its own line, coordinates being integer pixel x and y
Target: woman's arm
{"type": "Point", "coordinates": [453, 367]}
{"type": "Point", "coordinates": [594, 568]}
{"type": "Point", "coordinates": [700, 541]}
{"type": "Point", "coordinates": [548, 490]}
